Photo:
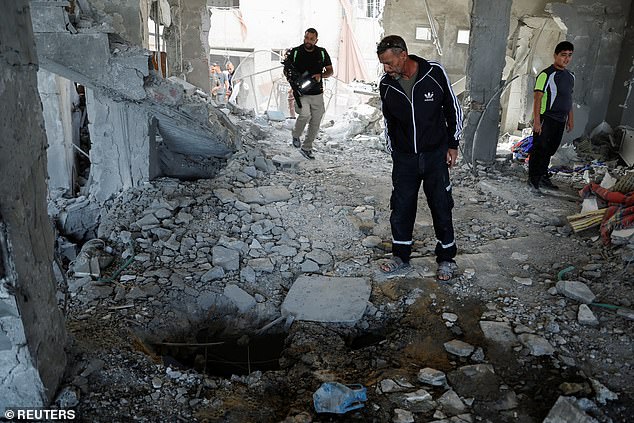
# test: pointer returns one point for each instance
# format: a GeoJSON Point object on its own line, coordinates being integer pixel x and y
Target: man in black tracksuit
{"type": "Point", "coordinates": [423, 124]}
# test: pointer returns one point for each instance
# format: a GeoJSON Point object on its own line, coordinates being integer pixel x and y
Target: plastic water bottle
{"type": "Point", "coordinates": [334, 397]}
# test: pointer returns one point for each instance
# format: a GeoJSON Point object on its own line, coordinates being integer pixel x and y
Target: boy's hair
{"type": "Point", "coordinates": [312, 31]}
{"type": "Point", "coordinates": [564, 46]}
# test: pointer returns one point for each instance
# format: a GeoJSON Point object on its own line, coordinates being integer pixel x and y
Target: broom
{"type": "Point", "coordinates": [583, 221]}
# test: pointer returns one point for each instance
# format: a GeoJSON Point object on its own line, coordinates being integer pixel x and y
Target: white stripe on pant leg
{"type": "Point", "coordinates": [402, 242]}
{"type": "Point", "coordinates": [448, 188]}
{"type": "Point", "coordinates": [451, 244]}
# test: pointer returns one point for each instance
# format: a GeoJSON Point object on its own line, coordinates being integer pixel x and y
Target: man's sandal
{"type": "Point", "coordinates": [446, 270]}
{"type": "Point", "coordinates": [393, 266]}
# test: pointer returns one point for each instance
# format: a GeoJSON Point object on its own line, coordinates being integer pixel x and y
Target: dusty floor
{"type": "Point", "coordinates": [511, 247]}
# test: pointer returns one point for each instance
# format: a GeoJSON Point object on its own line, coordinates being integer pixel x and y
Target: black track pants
{"type": "Point", "coordinates": [408, 171]}
{"type": "Point", "coordinates": [545, 145]}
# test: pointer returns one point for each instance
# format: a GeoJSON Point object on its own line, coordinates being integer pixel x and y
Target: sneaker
{"type": "Point", "coordinates": [547, 183]}
{"type": "Point", "coordinates": [296, 142]}
{"type": "Point", "coordinates": [307, 153]}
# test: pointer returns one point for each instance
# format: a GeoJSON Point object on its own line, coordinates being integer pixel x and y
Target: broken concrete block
{"type": "Point", "coordinates": [499, 332]}
{"type": "Point", "coordinates": [432, 377]}
{"type": "Point", "coordinates": [585, 316]}
{"type": "Point", "coordinates": [80, 219]}
{"type": "Point", "coordinates": [284, 162]}
{"type": "Point", "coordinates": [275, 115]}
{"type": "Point", "coordinates": [575, 290]}
{"type": "Point", "coordinates": [566, 410]}
{"type": "Point", "coordinates": [187, 87]}
{"type": "Point", "coordinates": [226, 258]}
{"type": "Point", "coordinates": [264, 195]}
{"type": "Point", "coordinates": [260, 163]}
{"type": "Point", "coordinates": [242, 299]}
{"type": "Point", "coordinates": [50, 16]}
{"type": "Point", "coordinates": [327, 299]}
{"type": "Point", "coordinates": [459, 348]}
{"type": "Point", "coordinates": [536, 344]}
{"type": "Point", "coordinates": [165, 92]}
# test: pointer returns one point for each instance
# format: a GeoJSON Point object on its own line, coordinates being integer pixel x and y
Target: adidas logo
{"type": "Point", "coordinates": [429, 96]}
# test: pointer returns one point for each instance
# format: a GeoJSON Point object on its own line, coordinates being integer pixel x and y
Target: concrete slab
{"type": "Point", "coordinates": [327, 299]}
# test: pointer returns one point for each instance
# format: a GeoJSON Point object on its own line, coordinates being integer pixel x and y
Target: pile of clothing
{"type": "Point", "coordinates": [620, 205]}
{"type": "Point", "coordinates": [521, 149]}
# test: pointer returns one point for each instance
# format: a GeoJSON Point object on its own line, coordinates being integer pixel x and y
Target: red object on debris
{"type": "Point", "coordinates": [620, 214]}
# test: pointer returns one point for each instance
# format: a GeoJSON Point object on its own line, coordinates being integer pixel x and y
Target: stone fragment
{"type": "Point", "coordinates": [226, 258]}
{"type": "Point", "coordinates": [575, 290]}
{"type": "Point", "coordinates": [585, 316]}
{"type": "Point", "coordinates": [459, 348]}
{"type": "Point", "coordinates": [432, 377]}
{"type": "Point", "coordinates": [536, 344]}
{"type": "Point", "coordinates": [242, 299]}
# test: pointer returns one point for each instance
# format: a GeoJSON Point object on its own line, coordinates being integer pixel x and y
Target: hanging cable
{"type": "Point", "coordinates": [434, 34]}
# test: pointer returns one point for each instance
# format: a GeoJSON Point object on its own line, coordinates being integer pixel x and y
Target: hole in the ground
{"type": "Point", "coordinates": [363, 340]}
{"type": "Point", "coordinates": [223, 356]}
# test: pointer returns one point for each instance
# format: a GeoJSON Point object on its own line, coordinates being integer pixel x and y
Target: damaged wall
{"type": "Point", "coordinates": [621, 108]}
{"type": "Point", "coordinates": [402, 18]}
{"type": "Point", "coordinates": [61, 118]}
{"type": "Point", "coordinates": [32, 333]}
{"type": "Point", "coordinates": [187, 42]}
{"type": "Point", "coordinates": [120, 145]}
{"type": "Point", "coordinates": [595, 29]}
{"type": "Point", "coordinates": [128, 18]}
{"type": "Point", "coordinates": [123, 116]}
{"type": "Point", "coordinates": [533, 35]}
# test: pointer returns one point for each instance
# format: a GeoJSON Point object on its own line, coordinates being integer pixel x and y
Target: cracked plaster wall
{"type": "Point", "coordinates": [621, 109]}
{"type": "Point", "coordinates": [530, 50]}
{"type": "Point", "coordinates": [120, 138]}
{"type": "Point", "coordinates": [58, 97]}
{"type": "Point", "coordinates": [596, 29]}
{"type": "Point", "coordinates": [187, 42]}
{"type": "Point", "coordinates": [32, 333]}
{"type": "Point", "coordinates": [128, 18]}
{"type": "Point", "coordinates": [402, 17]}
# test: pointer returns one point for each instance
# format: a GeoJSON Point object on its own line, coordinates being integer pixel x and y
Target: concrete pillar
{"type": "Point", "coordinates": [120, 145]}
{"type": "Point", "coordinates": [487, 45]}
{"type": "Point", "coordinates": [32, 333]}
{"type": "Point", "coordinates": [59, 99]}
{"type": "Point", "coordinates": [187, 42]}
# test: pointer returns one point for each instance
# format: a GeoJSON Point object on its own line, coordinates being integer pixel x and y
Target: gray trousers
{"type": "Point", "coordinates": [311, 112]}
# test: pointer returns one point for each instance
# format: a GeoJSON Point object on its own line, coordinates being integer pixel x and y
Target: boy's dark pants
{"type": "Point", "coordinates": [408, 171]}
{"type": "Point", "coordinates": [545, 145]}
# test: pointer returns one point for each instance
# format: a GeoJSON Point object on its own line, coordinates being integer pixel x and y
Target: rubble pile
{"type": "Point", "coordinates": [523, 332]}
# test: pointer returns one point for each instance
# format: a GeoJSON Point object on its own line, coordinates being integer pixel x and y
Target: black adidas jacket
{"type": "Point", "coordinates": [436, 119]}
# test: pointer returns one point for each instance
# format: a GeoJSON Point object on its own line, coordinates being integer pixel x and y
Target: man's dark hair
{"type": "Point", "coordinates": [564, 46]}
{"type": "Point", "coordinates": [312, 31]}
{"type": "Point", "coordinates": [391, 42]}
